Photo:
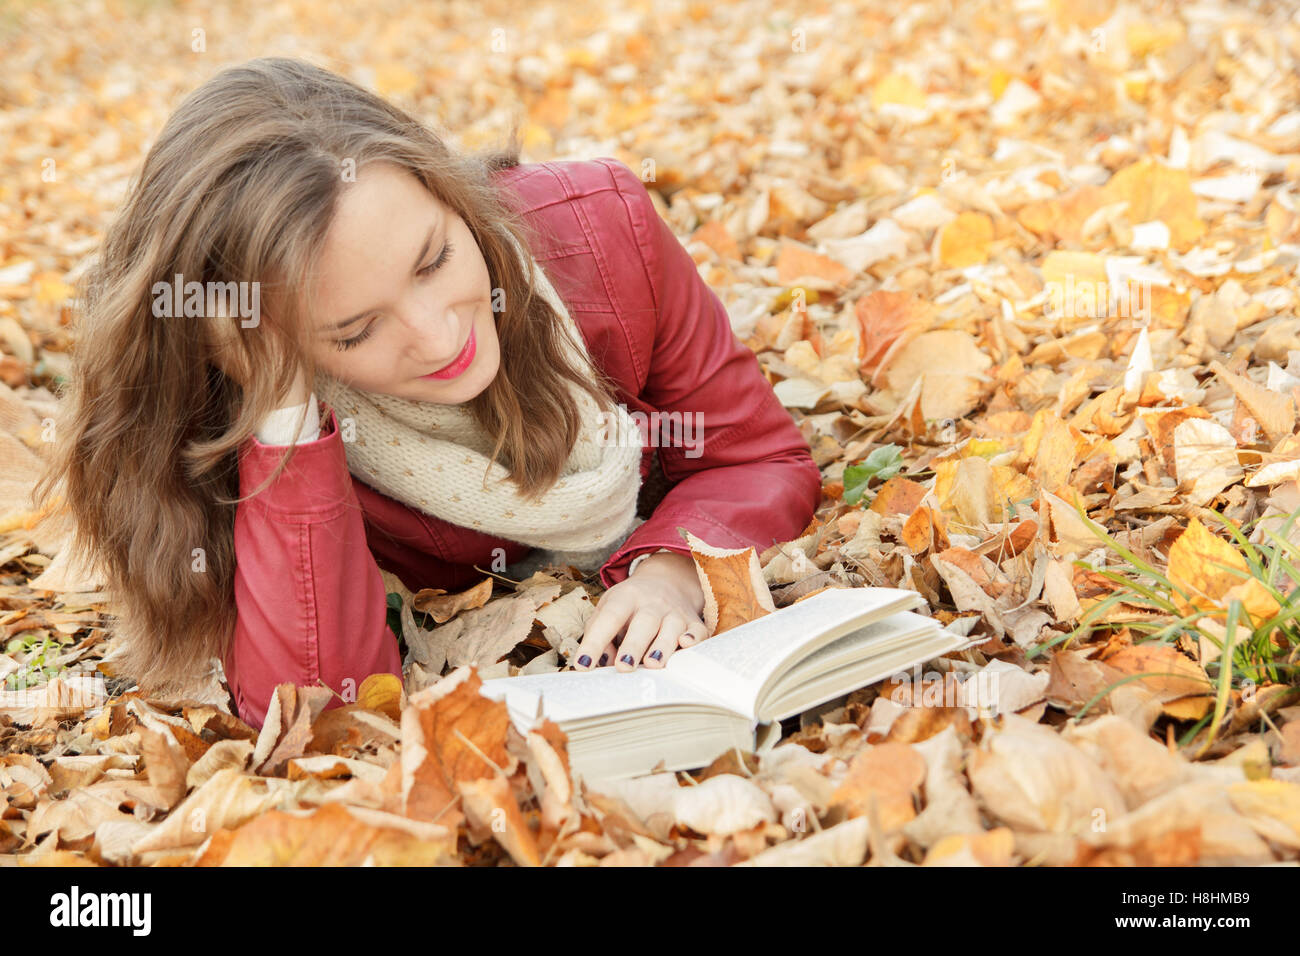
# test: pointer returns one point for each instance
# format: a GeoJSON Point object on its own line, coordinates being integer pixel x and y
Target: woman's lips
{"type": "Point", "coordinates": [459, 363]}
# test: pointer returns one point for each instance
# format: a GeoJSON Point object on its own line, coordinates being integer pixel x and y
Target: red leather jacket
{"type": "Point", "coordinates": [311, 602]}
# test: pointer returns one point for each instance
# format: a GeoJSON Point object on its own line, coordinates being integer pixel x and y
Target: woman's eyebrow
{"type": "Point", "coordinates": [424, 250]}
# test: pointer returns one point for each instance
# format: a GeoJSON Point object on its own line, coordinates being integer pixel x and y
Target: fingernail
{"type": "Point", "coordinates": [584, 661]}
{"type": "Point", "coordinates": [627, 659]}
{"type": "Point", "coordinates": [603, 658]}
{"type": "Point", "coordinates": [657, 654]}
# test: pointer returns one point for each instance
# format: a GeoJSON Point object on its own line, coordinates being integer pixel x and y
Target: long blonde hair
{"type": "Point", "coordinates": [240, 186]}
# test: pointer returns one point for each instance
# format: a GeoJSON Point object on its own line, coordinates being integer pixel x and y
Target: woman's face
{"type": "Point", "coordinates": [404, 292]}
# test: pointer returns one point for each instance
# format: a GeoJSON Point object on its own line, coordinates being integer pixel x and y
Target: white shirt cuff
{"type": "Point", "coordinates": [278, 428]}
{"type": "Point", "coordinates": [641, 557]}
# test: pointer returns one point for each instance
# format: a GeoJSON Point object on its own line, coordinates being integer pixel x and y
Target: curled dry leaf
{"type": "Point", "coordinates": [442, 607]}
{"type": "Point", "coordinates": [734, 590]}
{"type": "Point", "coordinates": [450, 734]}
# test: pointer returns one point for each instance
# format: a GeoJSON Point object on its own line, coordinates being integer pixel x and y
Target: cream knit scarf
{"type": "Point", "coordinates": [433, 457]}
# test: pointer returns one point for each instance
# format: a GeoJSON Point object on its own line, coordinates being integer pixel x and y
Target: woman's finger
{"type": "Point", "coordinates": [641, 630]}
{"type": "Point", "coordinates": [602, 627]}
{"type": "Point", "coordinates": [697, 632]}
{"type": "Point", "coordinates": [606, 658]}
{"type": "Point", "coordinates": [670, 634]}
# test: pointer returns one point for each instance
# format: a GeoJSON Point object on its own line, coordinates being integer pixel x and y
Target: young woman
{"type": "Point", "coordinates": [293, 238]}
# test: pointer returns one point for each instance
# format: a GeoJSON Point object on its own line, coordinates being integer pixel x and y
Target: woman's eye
{"type": "Point", "coordinates": [344, 344]}
{"type": "Point", "coordinates": [443, 256]}
{"type": "Point", "coordinates": [447, 250]}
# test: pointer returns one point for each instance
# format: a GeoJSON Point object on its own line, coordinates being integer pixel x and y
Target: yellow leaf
{"type": "Point", "coordinates": [998, 81]}
{"type": "Point", "coordinates": [965, 240]}
{"type": "Point", "coordinates": [381, 692]}
{"type": "Point", "coordinates": [896, 88]}
{"type": "Point", "coordinates": [1155, 191]}
{"type": "Point", "coordinates": [1196, 564]}
{"type": "Point", "coordinates": [1076, 284]}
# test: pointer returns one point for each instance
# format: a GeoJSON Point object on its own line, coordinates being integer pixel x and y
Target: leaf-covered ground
{"type": "Point", "coordinates": [1025, 273]}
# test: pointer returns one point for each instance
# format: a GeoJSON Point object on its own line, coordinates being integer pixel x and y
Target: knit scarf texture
{"type": "Point", "coordinates": [433, 458]}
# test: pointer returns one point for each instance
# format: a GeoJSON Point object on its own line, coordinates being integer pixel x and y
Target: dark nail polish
{"type": "Point", "coordinates": [627, 659]}
{"type": "Point", "coordinates": [584, 661]}
{"type": "Point", "coordinates": [603, 659]}
{"type": "Point", "coordinates": [656, 654]}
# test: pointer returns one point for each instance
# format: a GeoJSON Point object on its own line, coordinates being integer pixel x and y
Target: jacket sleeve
{"type": "Point", "coordinates": [743, 473]}
{"type": "Point", "coordinates": [310, 599]}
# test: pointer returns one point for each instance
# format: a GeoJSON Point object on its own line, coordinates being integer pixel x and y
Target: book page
{"type": "Point", "coordinates": [738, 664]}
{"type": "Point", "coordinates": [872, 640]}
{"type": "Point", "coordinates": [573, 695]}
{"type": "Point", "coordinates": [861, 672]}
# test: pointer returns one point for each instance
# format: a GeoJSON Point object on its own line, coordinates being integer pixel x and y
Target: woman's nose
{"type": "Point", "coordinates": [434, 337]}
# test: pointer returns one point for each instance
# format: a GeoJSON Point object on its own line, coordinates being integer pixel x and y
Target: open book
{"type": "Point", "coordinates": [730, 690]}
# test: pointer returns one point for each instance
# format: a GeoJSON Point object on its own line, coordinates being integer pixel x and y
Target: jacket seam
{"type": "Point", "coordinates": [620, 309]}
{"type": "Point", "coordinates": [310, 604]}
{"type": "Point", "coordinates": [636, 235]}
{"type": "Point", "coordinates": [294, 517]}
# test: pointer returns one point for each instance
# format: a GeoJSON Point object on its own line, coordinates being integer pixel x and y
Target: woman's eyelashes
{"type": "Point", "coordinates": [447, 250]}
{"type": "Point", "coordinates": [443, 256]}
{"type": "Point", "coordinates": [357, 339]}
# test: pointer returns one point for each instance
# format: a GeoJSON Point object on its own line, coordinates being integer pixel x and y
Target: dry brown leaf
{"type": "Point", "coordinates": [889, 773]}
{"type": "Point", "coordinates": [332, 835]}
{"type": "Point", "coordinates": [442, 607]}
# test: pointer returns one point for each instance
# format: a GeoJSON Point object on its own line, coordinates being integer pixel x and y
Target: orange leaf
{"type": "Point", "coordinates": [796, 262]}
{"type": "Point", "coordinates": [714, 234]}
{"type": "Point", "coordinates": [898, 496]}
{"type": "Point", "coordinates": [450, 732]}
{"type": "Point", "coordinates": [890, 773]}
{"type": "Point", "coordinates": [924, 531]}
{"type": "Point", "coordinates": [734, 590]}
{"type": "Point", "coordinates": [1169, 673]}
{"type": "Point", "coordinates": [886, 321]}
{"type": "Point", "coordinates": [333, 835]}
{"type": "Point", "coordinates": [490, 804]}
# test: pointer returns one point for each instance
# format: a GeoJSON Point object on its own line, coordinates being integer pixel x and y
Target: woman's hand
{"type": "Point", "coordinates": [660, 605]}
